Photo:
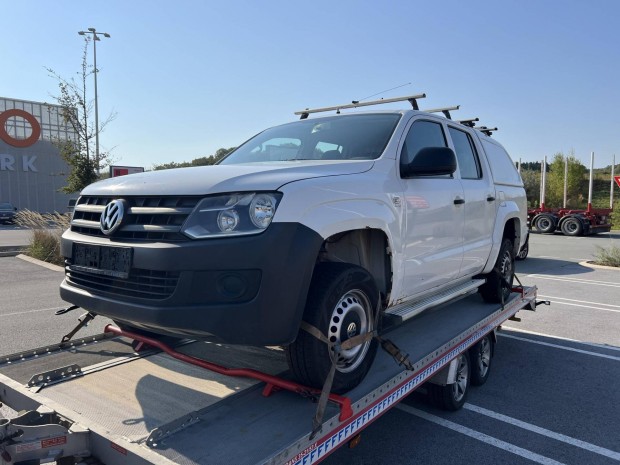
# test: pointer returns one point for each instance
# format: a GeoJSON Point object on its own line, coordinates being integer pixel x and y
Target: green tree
{"type": "Point", "coordinates": [75, 110]}
{"type": "Point", "coordinates": [531, 181]}
{"type": "Point", "coordinates": [202, 161]}
{"type": "Point", "coordinates": [577, 183]}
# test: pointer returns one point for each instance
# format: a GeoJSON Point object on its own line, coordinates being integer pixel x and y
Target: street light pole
{"type": "Point", "coordinates": [95, 34]}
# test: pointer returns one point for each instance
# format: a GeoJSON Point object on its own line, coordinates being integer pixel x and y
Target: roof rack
{"type": "Point", "coordinates": [486, 131]}
{"type": "Point", "coordinates": [412, 99]}
{"type": "Point", "coordinates": [469, 122]}
{"type": "Point", "coordinates": [446, 111]}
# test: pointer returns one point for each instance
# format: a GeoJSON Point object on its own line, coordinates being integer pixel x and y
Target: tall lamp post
{"type": "Point", "coordinates": [95, 34]}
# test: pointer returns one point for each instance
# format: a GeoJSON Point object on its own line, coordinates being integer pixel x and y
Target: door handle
{"type": "Point", "coordinates": [490, 198]}
{"type": "Point", "coordinates": [459, 201]}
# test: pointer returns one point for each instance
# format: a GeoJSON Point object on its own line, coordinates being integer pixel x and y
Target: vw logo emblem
{"type": "Point", "coordinates": [112, 216]}
{"type": "Point", "coordinates": [351, 330]}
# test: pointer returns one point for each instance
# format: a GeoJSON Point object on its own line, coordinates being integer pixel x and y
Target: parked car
{"type": "Point", "coordinates": [7, 212]}
{"type": "Point", "coordinates": [305, 236]}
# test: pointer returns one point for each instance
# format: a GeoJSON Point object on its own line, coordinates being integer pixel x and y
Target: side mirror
{"type": "Point", "coordinates": [431, 161]}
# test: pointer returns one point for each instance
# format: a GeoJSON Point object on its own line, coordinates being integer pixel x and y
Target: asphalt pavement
{"type": "Point", "coordinates": [551, 397]}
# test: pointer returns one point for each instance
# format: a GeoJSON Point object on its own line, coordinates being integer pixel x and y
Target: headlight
{"type": "Point", "coordinates": [232, 215]}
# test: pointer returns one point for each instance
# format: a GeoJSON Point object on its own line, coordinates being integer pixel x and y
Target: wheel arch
{"type": "Point", "coordinates": [369, 248]}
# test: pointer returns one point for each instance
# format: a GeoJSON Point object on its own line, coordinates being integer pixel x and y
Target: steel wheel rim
{"type": "Point", "coordinates": [483, 358]}
{"type": "Point", "coordinates": [462, 376]}
{"type": "Point", "coordinates": [505, 270]}
{"type": "Point", "coordinates": [351, 316]}
{"type": "Point", "coordinates": [523, 252]}
{"type": "Point", "coordinates": [571, 226]}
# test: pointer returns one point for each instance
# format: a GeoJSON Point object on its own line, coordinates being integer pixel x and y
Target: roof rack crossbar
{"type": "Point", "coordinates": [485, 130]}
{"type": "Point", "coordinates": [469, 122]}
{"type": "Point", "coordinates": [412, 99]}
{"type": "Point", "coordinates": [446, 110]}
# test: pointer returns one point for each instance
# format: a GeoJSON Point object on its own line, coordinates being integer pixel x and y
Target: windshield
{"type": "Point", "coordinates": [349, 137]}
{"type": "Point", "coordinates": [6, 206]}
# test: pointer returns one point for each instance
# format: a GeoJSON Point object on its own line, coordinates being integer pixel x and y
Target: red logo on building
{"type": "Point", "coordinates": [34, 124]}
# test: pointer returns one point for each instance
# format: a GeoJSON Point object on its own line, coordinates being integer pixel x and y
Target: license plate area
{"type": "Point", "coordinates": [102, 259]}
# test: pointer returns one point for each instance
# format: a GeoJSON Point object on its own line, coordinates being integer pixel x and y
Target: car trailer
{"type": "Point", "coordinates": [106, 400]}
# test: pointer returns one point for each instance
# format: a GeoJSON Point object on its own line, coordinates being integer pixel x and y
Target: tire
{"type": "Point", "coordinates": [525, 250]}
{"type": "Point", "coordinates": [572, 227]}
{"type": "Point", "coordinates": [480, 356]}
{"type": "Point", "coordinates": [498, 287]}
{"type": "Point", "coordinates": [341, 304]}
{"type": "Point", "coordinates": [453, 396]}
{"type": "Point", "coordinates": [545, 224]}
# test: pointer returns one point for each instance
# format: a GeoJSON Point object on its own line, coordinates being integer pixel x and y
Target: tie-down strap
{"type": "Point", "coordinates": [386, 344]}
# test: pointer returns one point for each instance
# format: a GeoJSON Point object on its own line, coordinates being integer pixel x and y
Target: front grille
{"type": "Point", "coordinates": [147, 218]}
{"type": "Point", "coordinates": [143, 284]}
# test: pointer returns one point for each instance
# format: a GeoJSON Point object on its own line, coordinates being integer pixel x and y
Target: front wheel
{"type": "Point", "coordinates": [524, 251]}
{"type": "Point", "coordinates": [498, 287]}
{"type": "Point", "coordinates": [341, 304]}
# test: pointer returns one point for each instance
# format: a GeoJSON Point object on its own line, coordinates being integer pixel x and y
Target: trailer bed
{"type": "Point", "coordinates": [155, 409]}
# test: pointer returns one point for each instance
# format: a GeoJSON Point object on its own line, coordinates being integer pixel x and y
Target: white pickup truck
{"type": "Point", "coordinates": [308, 235]}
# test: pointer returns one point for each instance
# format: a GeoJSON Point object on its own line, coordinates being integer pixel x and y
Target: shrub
{"type": "Point", "coordinates": [46, 231]}
{"type": "Point", "coordinates": [608, 256]}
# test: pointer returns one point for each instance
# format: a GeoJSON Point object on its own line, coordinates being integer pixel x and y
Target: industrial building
{"type": "Point", "coordinates": [32, 172]}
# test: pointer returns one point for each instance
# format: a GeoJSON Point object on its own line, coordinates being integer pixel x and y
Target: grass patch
{"type": "Point", "coordinates": [609, 256]}
{"type": "Point", "coordinates": [46, 231]}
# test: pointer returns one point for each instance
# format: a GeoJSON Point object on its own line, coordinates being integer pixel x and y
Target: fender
{"type": "Point", "coordinates": [507, 211]}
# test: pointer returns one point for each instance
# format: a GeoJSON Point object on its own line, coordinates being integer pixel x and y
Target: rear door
{"type": "Point", "coordinates": [480, 205]}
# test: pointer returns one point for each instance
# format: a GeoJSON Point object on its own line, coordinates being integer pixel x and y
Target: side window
{"type": "Point", "coordinates": [422, 134]}
{"type": "Point", "coordinates": [469, 164]}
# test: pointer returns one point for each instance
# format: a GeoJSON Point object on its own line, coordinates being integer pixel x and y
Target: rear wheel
{"type": "Point", "coordinates": [498, 287]}
{"type": "Point", "coordinates": [453, 396]}
{"type": "Point", "coordinates": [572, 227]}
{"type": "Point", "coordinates": [525, 250]}
{"type": "Point", "coordinates": [341, 305]}
{"type": "Point", "coordinates": [480, 356]}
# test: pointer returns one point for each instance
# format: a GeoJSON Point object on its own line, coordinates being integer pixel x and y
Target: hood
{"type": "Point", "coordinates": [215, 179]}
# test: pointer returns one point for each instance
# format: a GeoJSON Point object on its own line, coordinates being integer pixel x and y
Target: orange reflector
{"type": "Point", "coordinates": [355, 441]}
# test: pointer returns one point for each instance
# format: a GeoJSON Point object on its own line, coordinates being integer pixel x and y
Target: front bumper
{"type": "Point", "coordinates": [242, 290]}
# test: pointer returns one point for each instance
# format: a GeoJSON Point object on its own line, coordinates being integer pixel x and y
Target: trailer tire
{"type": "Point", "coordinates": [341, 304]}
{"type": "Point", "coordinates": [572, 227]}
{"type": "Point", "coordinates": [480, 357]}
{"type": "Point", "coordinates": [545, 223]}
{"type": "Point", "coordinates": [498, 287]}
{"type": "Point", "coordinates": [452, 396]}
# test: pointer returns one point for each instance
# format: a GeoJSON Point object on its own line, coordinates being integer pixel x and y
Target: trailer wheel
{"type": "Point", "coordinates": [452, 396]}
{"type": "Point", "coordinates": [480, 356]}
{"type": "Point", "coordinates": [341, 304]}
{"type": "Point", "coordinates": [497, 289]}
{"type": "Point", "coordinates": [545, 224]}
{"type": "Point", "coordinates": [572, 227]}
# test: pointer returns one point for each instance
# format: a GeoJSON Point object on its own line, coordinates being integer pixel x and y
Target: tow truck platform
{"type": "Point", "coordinates": [97, 397]}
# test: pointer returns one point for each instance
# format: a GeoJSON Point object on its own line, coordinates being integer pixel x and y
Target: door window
{"type": "Point", "coordinates": [469, 165]}
{"type": "Point", "coordinates": [421, 134]}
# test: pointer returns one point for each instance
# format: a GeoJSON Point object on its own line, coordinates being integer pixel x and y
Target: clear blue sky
{"type": "Point", "coordinates": [189, 77]}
